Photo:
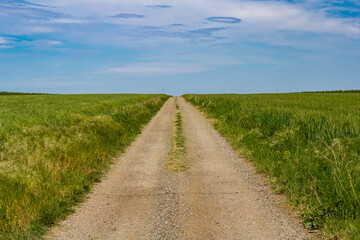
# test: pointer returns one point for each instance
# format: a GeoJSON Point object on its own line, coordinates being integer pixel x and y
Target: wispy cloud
{"type": "Point", "coordinates": [5, 46]}
{"type": "Point", "coordinates": [158, 6]}
{"type": "Point", "coordinates": [70, 20]}
{"type": "Point", "coordinates": [224, 19]}
{"type": "Point", "coordinates": [156, 68]}
{"type": "Point", "coordinates": [52, 78]}
{"type": "Point", "coordinates": [41, 29]}
{"type": "Point", "coordinates": [256, 17]}
{"type": "Point", "coordinates": [128, 15]}
{"type": "Point", "coordinates": [205, 32]}
{"type": "Point", "coordinates": [21, 3]}
{"type": "Point", "coordinates": [177, 25]}
{"type": "Point", "coordinates": [293, 17]}
{"type": "Point", "coordinates": [4, 40]}
{"type": "Point", "coordinates": [54, 43]}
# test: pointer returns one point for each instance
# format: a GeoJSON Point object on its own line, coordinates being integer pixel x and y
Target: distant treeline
{"type": "Point", "coordinates": [335, 91]}
{"type": "Point", "coordinates": [19, 93]}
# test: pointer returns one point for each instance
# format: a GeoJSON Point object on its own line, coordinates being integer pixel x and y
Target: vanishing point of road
{"type": "Point", "coordinates": [219, 197]}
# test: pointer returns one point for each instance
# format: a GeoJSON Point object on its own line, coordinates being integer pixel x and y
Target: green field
{"type": "Point", "coordinates": [54, 147]}
{"type": "Point", "coordinates": [308, 144]}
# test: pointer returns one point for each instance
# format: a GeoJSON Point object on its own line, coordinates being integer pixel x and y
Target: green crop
{"type": "Point", "coordinates": [54, 147]}
{"type": "Point", "coordinates": [308, 144]}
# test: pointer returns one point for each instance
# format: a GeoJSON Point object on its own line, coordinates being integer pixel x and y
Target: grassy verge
{"type": "Point", "coordinates": [177, 159]}
{"type": "Point", "coordinates": [307, 144]}
{"type": "Point", "coordinates": [54, 147]}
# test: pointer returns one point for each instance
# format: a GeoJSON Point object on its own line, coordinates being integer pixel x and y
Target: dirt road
{"type": "Point", "coordinates": [220, 197]}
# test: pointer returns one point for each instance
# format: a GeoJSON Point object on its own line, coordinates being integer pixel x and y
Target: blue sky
{"type": "Point", "coordinates": [179, 46]}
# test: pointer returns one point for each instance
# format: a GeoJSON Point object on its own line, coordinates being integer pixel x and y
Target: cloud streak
{"type": "Point", "coordinates": [157, 68]}
{"type": "Point", "coordinates": [224, 20]}
{"type": "Point", "coordinates": [128, 15]}
{"type": "Point", "coordinates": [4, 40]}
{"type": "Point", "coordinates": [158, 6]}
{"type": "Point", "coordinates": [54, 43]}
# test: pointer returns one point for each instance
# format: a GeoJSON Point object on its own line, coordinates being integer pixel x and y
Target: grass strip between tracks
{"type": "Point", "coordinates": [177, 159]}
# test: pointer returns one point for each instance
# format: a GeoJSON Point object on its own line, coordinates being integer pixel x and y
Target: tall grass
{"type": "Point", "coordinates": [307, 144]}
{"type": "Point", "coordinates": [54, 147]}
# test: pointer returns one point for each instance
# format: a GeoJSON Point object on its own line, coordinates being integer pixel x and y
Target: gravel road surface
{"type": "Point", "coordinates": [220, 197]}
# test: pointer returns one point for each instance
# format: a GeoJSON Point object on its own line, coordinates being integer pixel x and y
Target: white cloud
{"type": "Point", "coordinates": [41, 29]}
{"type": "Point", "coordinates": [5, 46]}
{"type": "Point", "coordinates": [285, 16]}
{"type": "Point", "coordinates": [257, 15]}
{"type": "Point", "coordinates": [54, 43]}
{"type": "Point", "coordinates": [155, 68]}
{"type": "Point", "coordinates": [47, 79]}
{"type": "Point", "coordinates": [30, 28]}
{"type": "Point", "coordinates": [70, 20]}
{"type": "Point", "coordinates": [4, 40]}
{"type": "Point", "coordinates": [258, 18]}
